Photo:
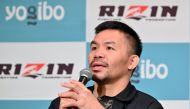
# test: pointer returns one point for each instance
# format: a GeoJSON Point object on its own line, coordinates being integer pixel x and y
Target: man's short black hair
{"type": "Point", "coordinates": [130, 33]}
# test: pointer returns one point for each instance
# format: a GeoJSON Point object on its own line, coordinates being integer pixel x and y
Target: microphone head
{"type": "Point", "coordinates": [86, 73]}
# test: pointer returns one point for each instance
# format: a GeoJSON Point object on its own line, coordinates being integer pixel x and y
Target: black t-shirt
{"type": "Point", "coordinates": [129, 98]}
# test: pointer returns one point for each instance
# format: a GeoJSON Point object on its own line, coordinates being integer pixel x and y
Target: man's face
{"type": "Point", "coordinates": [108, 57]}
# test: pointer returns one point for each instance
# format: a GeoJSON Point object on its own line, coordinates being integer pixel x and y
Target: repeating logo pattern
{"type": "Point", "coordinates": [45, 42]}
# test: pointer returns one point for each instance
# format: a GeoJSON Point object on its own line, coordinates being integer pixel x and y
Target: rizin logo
{"type": "Point", "coordinates": [148, 70]}
{"type": "Point", "coordinates": [34, 70]}
{"type": "Point", "coordinates": [138, 12]}
{"type": "Point", "coordinates": [43, 12]}
{"type": "Point", "coordinates": [133, 10]}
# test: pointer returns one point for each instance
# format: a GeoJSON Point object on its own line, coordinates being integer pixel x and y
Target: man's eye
{"type": "Point", "coordinates": [93, 48]}
{"type": "Point", "coordinates": [110, 48]}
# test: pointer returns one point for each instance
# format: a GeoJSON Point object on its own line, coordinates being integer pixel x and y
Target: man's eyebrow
{"type": "Point", "coordinates": [110, 42]}
{"type": "Point", "coordinates": [93, 42]}
{"type": "Point", "coordinates": [106, 43]}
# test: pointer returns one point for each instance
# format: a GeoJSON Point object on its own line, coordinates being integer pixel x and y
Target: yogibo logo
{"type": "Point", "coordinates": [42, 12]}
{"type": "Point", "coordinates": [149, 70]}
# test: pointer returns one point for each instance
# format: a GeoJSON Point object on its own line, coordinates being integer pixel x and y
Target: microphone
{"type": "Point", "coordinates": [85, 76]}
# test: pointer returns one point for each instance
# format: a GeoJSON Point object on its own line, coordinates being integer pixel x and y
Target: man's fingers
{"type": "Point", "coordinates": [67, 102]}
{"type": "Point", "coordinates": [76, 86]}
{"type": "Point", "coordinates": [74, 96]}
{"type": "Point", "coordinates": [68, 94]}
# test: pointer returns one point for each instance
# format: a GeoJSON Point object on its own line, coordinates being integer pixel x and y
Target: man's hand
{"type": "Point", "coordinates": [78, 96]}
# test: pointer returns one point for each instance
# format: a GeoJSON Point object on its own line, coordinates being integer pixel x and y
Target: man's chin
{"type": "Point", "coordinates": [98, 79]}
{"type": "Point", "coordinates": [95, 78]}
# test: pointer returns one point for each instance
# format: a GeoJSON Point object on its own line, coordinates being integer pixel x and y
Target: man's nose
{"type": "Point", "coordinates": [99, 53]}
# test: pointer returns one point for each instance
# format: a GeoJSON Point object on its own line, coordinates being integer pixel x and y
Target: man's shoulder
{"type": "Point", "coordinates": [55, 103]}
{"type": "Point", "coordinates": [144, 96]}
{"type": "Point", "coordinates": [145, 100]}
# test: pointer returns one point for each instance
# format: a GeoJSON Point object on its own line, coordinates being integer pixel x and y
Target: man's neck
{"type": "Point", "coordinates": [110, 89]}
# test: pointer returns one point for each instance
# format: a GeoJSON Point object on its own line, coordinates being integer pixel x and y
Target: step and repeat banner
{"type": "Point", "coordinates": [46, 42]}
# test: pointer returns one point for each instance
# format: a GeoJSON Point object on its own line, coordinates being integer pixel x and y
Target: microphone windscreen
{"type": "Point", "coordinates": [86, 73]}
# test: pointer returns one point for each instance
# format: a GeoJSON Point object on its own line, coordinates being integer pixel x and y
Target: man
{"type": "Point", "coordinates": [114, 54]}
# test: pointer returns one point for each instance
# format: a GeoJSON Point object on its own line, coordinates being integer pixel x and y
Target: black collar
{"type": "Point", "coordinates": [126, 95]}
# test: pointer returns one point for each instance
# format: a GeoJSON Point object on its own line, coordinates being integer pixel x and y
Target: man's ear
{"type": "Point", "coordinates": [133, 62]}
